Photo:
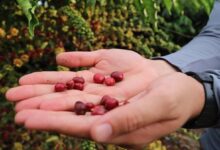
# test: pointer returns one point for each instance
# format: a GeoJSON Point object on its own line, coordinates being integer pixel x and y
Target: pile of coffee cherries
{"type": "Point", "coordinates": [106, 103]}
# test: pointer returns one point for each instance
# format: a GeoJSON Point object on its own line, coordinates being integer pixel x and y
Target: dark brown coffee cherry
{"type": "Point", "coordinates": [118, 76]}
{"type": "Point", "coordinates": [80, 108]}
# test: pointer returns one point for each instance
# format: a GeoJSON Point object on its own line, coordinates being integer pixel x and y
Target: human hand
{"type": "Point", "coordinates": [37, 89]}
{"type": "Point", "coordinates": [165, 106]}
{"type": "Point", "coordinates": [162, 108]}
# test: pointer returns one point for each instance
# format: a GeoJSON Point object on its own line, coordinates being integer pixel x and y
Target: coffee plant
{"type": "Point", "coordinates": [33, 32]}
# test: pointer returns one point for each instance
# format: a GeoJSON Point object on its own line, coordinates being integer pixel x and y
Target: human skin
{"type": "Point", "coordinates": [36, 90]}
{"type": "Point", "coordinates": [161, 100]}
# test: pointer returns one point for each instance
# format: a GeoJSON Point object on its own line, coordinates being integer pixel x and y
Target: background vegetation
{"type": "Point", "coordinates": [151, 28]}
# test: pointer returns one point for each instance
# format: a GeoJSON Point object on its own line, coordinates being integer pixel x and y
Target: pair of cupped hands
{"type": "Point", "coordinates": [160, 99]}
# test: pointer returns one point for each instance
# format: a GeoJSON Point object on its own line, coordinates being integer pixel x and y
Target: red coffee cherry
{"type": "Point", "coordinates": [111, 103]}
{"type": "Point", "coordinates": [99, 78]}
{"type": "Point", "coordinates": [70, 84]}
{"type": "Point", "coordinates": [89, 106]}
{"type": "Point", "coordinates": [104, 98]}
{"type": "Point", "coordinates": [79, 80]}
{"type": "Point", "coordinates": [59, 87]}
{"type": "Point", "coordinates": [110, 81]}
{"type": "Point", "coordinates": [118, 76]}
{"type": "Point", "coordinates": [98, 110]}
{"type": "Point", "coordinates": [80, 108]}
{"type": "Point", "coordinates": [78, 86]}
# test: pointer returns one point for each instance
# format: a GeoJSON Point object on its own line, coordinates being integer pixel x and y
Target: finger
{"type": "Point", "coordinates": [132, 116]}
{"type": "Point", "coordinates": [79, 59]}
{"type": "Point", "coordinates": [57, 101]}
{"type": "Point", "coordinates": [146, 134]}
{"type": "Point", "coordinates": [28, 91]}
{"type": "Point", "coordinates": [61, 122]}
{"type": "Point", "coordinates": [52, 77]}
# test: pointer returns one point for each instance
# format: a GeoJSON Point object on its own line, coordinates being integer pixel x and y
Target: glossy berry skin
{"type": "Point", "coordinates": [78, 86]}
{"type": "Point", "coordinates": [79, 80]}
{"type": "Point", "coordinates": [89, 106]}
{"type": "Point", "coordinates": [110, 81]}
{"type": "Point", "coordinates": [111, 104]}
{"type": "Point", "coordinates": [70, 85]}
{"type": "Point", "coordinates": [59, 87]}
{"type": "Point", "coordinates": [99, 78]}
{"type": "Point", "coordinates": [98, 110]}
{"type": "Point", "coordinates": [80, 108]}
{"type": "Point", "coordinates": [104, 99]}
{"type": "Point", "coordinates": [118, 76]}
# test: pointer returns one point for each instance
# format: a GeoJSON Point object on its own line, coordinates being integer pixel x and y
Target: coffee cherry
{"type": "Point", "coordinates": [98, 110]}
{"type": "Point", "coordinates": [59, 87]}
{"type": "Point", "coordinates": [70, 84]}
{"type": "Point", "coordinates": [89, 106]}
{"type": "Point", "coordinates": [79, 80]}
{"type": "Point", "coordinates": [104, 98]}
{"type": "Point", "coordinates": [111, 104]}
{"type": "Point", "coordinates": [80, 108]}
{"type": "Point", "coordinates": [118, 76]}
{"type": "Point", "coordinates": [78, 86]}
{"type": "Point", "coordinates": [110, 81]}
{"type": "Point", "coordinates": [99, 78]}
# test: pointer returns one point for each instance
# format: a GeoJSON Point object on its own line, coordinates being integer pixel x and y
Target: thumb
{"type": "Point", "coordinates": [127, 118]}
{"type": "Point", "coordinates": [79, 59]}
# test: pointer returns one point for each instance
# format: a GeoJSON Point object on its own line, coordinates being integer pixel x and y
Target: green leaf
{"type": "Point", "coordinates": [206, 6]}
{"type": "Point", "coordinates": [91, 3]}
{"type": "Point", "coordinates": [146, 8]}
{"type": "Point", "coordinates": [138, 6]}
{"type": "Point", "coordinates": [149, 9]}
{"type": "Point", "coordinates": [28, 7]}
{"type": "Point", "coordinates": [168, 5]}
{"type": "Point", "coordinates": [178, 7]}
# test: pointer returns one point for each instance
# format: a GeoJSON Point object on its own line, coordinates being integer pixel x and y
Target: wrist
{"type": "Point", "coordinates": [163, 67]}
{"type": "Point", "coordinates": [207, 114]}
{"type": "Point", "coordinates": [199, 99]}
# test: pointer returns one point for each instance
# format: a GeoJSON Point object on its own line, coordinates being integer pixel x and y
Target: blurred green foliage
{"type": "Point", "coordinates": [81, 26]}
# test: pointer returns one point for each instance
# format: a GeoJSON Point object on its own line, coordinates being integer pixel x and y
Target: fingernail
{"type": "Point", "coordinates": [103, 132]}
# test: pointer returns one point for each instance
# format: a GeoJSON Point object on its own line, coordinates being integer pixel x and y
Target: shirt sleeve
{"type": "Point", "coordinates": [215, 74]}
{"type": "Point", "coordinates": [210, 139]}
{"type": "Point", "coordinates": [203, 52]}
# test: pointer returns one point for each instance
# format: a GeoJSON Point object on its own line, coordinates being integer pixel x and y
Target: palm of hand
{"type": "Point", "coordinates": [138, 73]}
{"type": "Point", "coordinates": [39, 92]}
{"type": "Point", "coordinates": [36, 89]}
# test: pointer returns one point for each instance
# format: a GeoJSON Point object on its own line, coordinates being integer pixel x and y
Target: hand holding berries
{"type": "Point", "coordinates": [77, 83]}
{"type": "Point", "coordinates": [106, 104]}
